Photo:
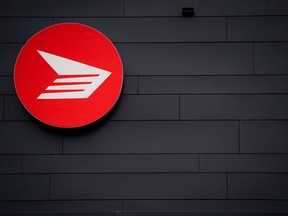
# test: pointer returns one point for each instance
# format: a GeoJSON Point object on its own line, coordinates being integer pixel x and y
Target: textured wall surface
{"type": "Point", "coordinates": [201, 127]}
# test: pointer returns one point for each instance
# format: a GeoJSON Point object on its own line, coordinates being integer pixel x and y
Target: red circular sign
{"type": "Point", "coordinates": [68, 75]}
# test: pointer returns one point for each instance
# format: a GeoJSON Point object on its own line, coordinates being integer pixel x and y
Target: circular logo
{"type": "Point", "coordinates": [68, 75]}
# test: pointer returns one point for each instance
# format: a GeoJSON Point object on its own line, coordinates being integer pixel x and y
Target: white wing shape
{"type": "Point", "coordinates": [92, 77]}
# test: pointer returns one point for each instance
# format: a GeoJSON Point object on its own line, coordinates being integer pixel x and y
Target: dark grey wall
{"type": "Point", "coordinates": [201, 127]}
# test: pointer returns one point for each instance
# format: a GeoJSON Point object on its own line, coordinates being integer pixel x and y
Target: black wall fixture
{"type": "Point", "coordinates": [188, 12]}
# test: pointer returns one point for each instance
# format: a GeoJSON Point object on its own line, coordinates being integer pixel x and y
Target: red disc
{"type": "Point", "coordinates": [68, 75]}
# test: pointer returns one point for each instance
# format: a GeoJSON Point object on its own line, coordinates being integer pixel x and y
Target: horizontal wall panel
{"type": "Point", "coordinates": [213, 84]}
{"type": "Point", "coordinates": [48, 8]}
{"type": "Point", "coordinates": [138, 186]}
{"type": "Point", "coordinates": [14, 110]}
{"type": "Point", "coordinates": [198, 214]}
{"type": "Point", "coordinates": [271, 58]}
{"type": "Point", "coordinates": [156, 137]}
{"type": "Point", "coordinates": [130, 85]}
{"type": "Point", "coordinates": [67, 214]}
{"type": "Point", "coordinates": [187, 59]}
{"type": "Point", "coordinates": [257, 186]}
{"type": "Point", "coordinates": [206, 206]}
{"type": "Point", "coordinates": [243, 163]}
{"type": "Point", "coordinates": [28, 138]}
{"type": "Point", "coordinates": [24, 187]}
{"type": "Point", "coordinates": [8, 55]}
{"type": "Point", "coordinates": [10, 7]}
{"type": "Point", "coordinates": [146, 107]}
{"type": "Point", "coordinates": [1, 108]}
{"type": "Point", "coordinates": [234, 107]}
{"type": "Point", "coordinates": [63, 8]}
{"type": "Point", "coordinates": [7, 85]}
{"type": "Point", "coordinates": [10, 164]}
{"type": "Point", "coordinates": [157, 29]}
{"type": "Point", "coordinates": [110, 163]}
{"type": "Point", "coordinates": [257, 28]}
{"type": "Point", "coordinates": [21, 29]}
{"type": "Point", "coordinates": [205, 7]}
{"type": "Point", "coordinates": [264, 137]}
{"type": "Point", "coordinates": [59, 206]}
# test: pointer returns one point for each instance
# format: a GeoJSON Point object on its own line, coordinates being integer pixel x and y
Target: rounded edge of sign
{"type": "Point", "coordinates": [82, 125]}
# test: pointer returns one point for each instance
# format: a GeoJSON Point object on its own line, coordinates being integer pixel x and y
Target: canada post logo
{"type": "Point", "coordinates": [79, 72]}
{"type": "Point", "coordinates": [68, 75]}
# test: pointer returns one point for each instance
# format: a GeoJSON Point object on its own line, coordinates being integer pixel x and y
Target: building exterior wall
{"type": "Point", "coordinates": [201, 127]}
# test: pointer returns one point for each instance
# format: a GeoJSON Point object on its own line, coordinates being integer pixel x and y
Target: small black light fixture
{"type": "Point", "coordinates": [188, 12]}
